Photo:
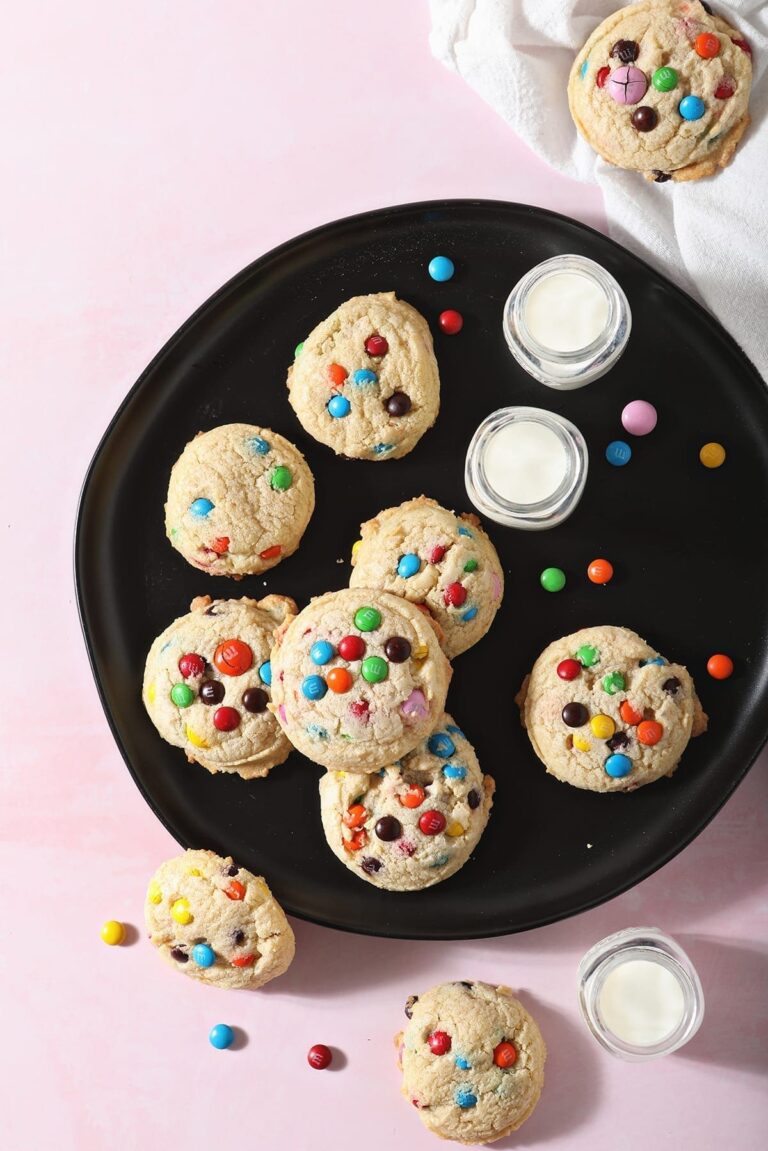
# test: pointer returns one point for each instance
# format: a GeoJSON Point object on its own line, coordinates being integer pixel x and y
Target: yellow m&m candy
{"type": "Point", "coordinates": [455, 829]}
{"type": "Point", "coordinates": [181, 913]}
{"type": "Point", "coordinates": [154, 894]}
{"type": "Point", "coordinates": [602, 726]}
{"type": "Point", "coordinates": [195, 739]}
{"type": "Point", "coordinates": [712, 455]}
{"type": "Point", "coordinates": [580, 743]}
{"type": "Point", "coordinates": [113, 932]}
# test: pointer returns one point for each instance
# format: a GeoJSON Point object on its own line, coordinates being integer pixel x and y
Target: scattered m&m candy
{"type": "Point", "coordinates": [221, 1037]}
{"type": "Point", "coordinates": [618, 765]}
{"type": "Point", "coordinates": [432, 822]}
{"type": "Point", "coordinates": [569, 669]}
{"type": "Point", "coordinates": [720, 666]}
{"type": "Point", "coordinates": [113, 932]}
{"type": "Point", "coordinates": [200, 508]}
{"type": "Point", "coordinates": [408, 565]}
{"type": "Point", "coordinates": [505, 1054]}
{"type": "Point", "coordinates": [439, 1042]}
{"type": "Point", "coordinates": [203, 955]}
{"type": "Point", "coordinates": [191, 665]}
{"type": "Point", "coordinates": [706, 45]}
{"type": "Point", "coordinates": [376, 346]}
{"type": "Point", "coordinates": [618, 454]}
{"type": "Point", "coordinates": [321, 652]}
{"type": "Point", "coordinates": [226, 719]}
{"type": "Point", "coordinates": [451, 321]}
{"type": "Point", "coordinates": [600, 571]}
{"type": "Point", "coordinates": [552, 579]}
{"type": "Point", "coordinates": [314, 687]}
{"type": "Point", "coordinates": [367, 619]}
{"type": "Point", "coordinates": [664, 79]}
{"type": "Point", "coordinates": [233, 657]}
{"type": "Point", "coordinates": [319, 1057]}
{"type": "Point", "coordinates": [339, 407]}
{"type": "Point", "coordinates": [712, 455]}
{"type": "Point", "coordinates": [639, 418]}
{"type": "Point", "coordinates": [441, 268]}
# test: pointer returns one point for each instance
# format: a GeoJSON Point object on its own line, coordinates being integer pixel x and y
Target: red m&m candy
{"type": "Point", "coordinates": [432, 822]}
{"type": "Point", "coordinates": [451, 321]}
{"type": "Point", "coordinates": [742, 44]}
{"type": "Point", "coordinates": [454, 595]}
{"type": "Point", "coordinates": [226, 719]}
{"type": "Point", "coordinates": [233, 657]}
{"type": "Point", "coordinates": [355, 816]}
{"type": "Point", "coordinates": [437, 553]}
{"type": "Point", "coordinates": [319, 1057]}
{"type": "Point", "coordinates": [351, 647]}
{"type": "Point", "coordinates": [568, 669]}
{"type": "Point", "coordinates": [376, 346]}
{"type": "Point", "coordinates": [725, 88]}
{"type": "Point", "coordinates": [602, 76]}
{"type": "Point", "coordinates": [271, 553]}
{"type": "Point", "coordinates": [439, 1042]}
{"type": "Point", "coordinates": [191, 665]}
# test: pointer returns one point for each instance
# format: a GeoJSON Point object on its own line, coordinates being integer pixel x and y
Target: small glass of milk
{"type": "Point", "coordinates": [526, 468]}
{"type": "Point", "coordinates": [639, 994]}
{"type": "Point", "coordinates": [567, 321]}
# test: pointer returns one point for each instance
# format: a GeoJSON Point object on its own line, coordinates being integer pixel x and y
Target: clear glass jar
{"type": "Point", "coordinates": [605, 341]}
{"type": "Point", "coordinates": [651, 945]}
{"type": "Point", "coordinates": [556, 486]}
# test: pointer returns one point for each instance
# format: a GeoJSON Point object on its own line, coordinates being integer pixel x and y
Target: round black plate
{"type": "Point", "coordinates": [690, 549]}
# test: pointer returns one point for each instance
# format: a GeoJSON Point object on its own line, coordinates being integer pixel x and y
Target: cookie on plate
{"type": "Point", "coordinates": [365, 381]}
{"type": "Point", "coordinates": [217, 922]}
{"type": "Point", "coordinates": [472, 1060]}
{"type": "Point", "coordinates": [412, 824]}
{"type": "Point", "coordinates": [606, 712]}
{"type": "Point", "coordinates": [662, 87]}
{"type": "Point", "coordinates": [239, 499]}
{"type": "Point", "coordinates": [358, 679]}
{"type": "Point", "coordinates": [207, 684]}
{"type": "Point", "coordinates": [433, 557]}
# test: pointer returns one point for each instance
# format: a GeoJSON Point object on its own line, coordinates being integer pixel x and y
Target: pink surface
{"type": "Point", "coordinates": [153, 150]}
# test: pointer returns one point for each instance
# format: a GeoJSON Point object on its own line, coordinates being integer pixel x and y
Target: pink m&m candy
{"type": "Point", "coordinates": [639, 418]}
{"type": "Point", "coordinates": [627, 85]}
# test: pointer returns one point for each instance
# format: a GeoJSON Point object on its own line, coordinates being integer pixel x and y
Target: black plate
{"type": "Point", "coordinates": [689, 545]}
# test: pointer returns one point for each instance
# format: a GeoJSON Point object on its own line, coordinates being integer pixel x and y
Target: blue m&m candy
{"type": "Point", "coordinates": [454, 771]}
{"type": "Point", "coordinates": [408, 565]}
{"type": "Point", "coordinates": [469, 614]}
{"type": "Point", "coordinates": [441, 268]}
{"type": "Point", "coordinates": [265, 672]}
{"type": "Point", "coordinates": [617, 766]}
{"type": "Point", "coordinates": [441, 745]}
{"type": "Point", "coordinates": [200, 508]}
{"type": "Point", "coordinates": [618, 453]}
{"type": "Point", "coordinates": [321, 652]}
{"type": "Point", "coordinates": [657, 659]}
{"type": "Point", "coordinates": [364, 376]}
{"type": "Point", "coordinates": [203, 955]}
{"type": "Point", "coordinates": [258, 445]}
{"type": "Point", "coordinates": [221, 1036]}
{"type": "Point", "coordinates": [465, 1098]}
{"type": "Point", "coordinates": [314, 687]}
{"type": "Point", "coordinates": [462, 1063]}
{"type": "Point", "coordinates": [691, 107]}
{"type": "Point", "coordinates": [339, 407]}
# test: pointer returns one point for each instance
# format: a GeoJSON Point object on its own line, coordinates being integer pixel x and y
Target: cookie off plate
{"type": "Point", "coordinates": [688, 544]}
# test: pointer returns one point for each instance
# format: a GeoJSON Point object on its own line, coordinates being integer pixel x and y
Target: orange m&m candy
{"type": "Point", "coordinates": [600, 571]}
{"type": "Point", "coordinates": [649, 732]}
{"type": "Point", "coordinates": [232, 657]}
{"type": "Point", "coordinates": [235, 890]}
{"type": "Point", "coordinates": [337, 375]}
{"type": "Point", "coordinates": [505, 1054]}
{"type": "Point", "coordinates": [271, 553]}
{"type": "Point", "coordinates": [358, 840]}
{"type": "Point", "coordinates": [413, 797]}
{"type": "Point", "coordinates": [339, 680]}
{"type": "Point", "coordinates": [720, 666]}
{"type": "Point", "coordinates": [243, 960]}
{"type": "Point", "coordinates": [220, 545]}
{"type": "Point", "coordinates": [707, 45]}
{"type": "Point", "coordinates": [355, 815]}
{"type": "Point", "coordinates": [629, 714]}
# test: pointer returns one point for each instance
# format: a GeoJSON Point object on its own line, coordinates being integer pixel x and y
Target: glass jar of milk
{"type": "Point", "coordinates": [567, 321]}
{"type": "Point", "coordinates": [640, 994]}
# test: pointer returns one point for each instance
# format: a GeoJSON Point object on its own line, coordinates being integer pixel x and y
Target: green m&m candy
{"type": "Point", "coordinates": [664, 79]}
{"type": "Point", "coordinates": [587, 655]}
{"type": "Point", "coordinates": [374, 669]}
{"type": "Point", "coordinates": [367, 619]}
{"type": "Point", "coordinates": [182, 695]}
{"type": "Point", "coordinates": [470, 566]}
{"type": "Point", "coordinates": [614, 682]}
{"type": "Point", "coordinates": [552, 579]}
{"type": "Point", "coordinates": [281, 479]}
{"type": "Point", "coordinates": [298, 350]}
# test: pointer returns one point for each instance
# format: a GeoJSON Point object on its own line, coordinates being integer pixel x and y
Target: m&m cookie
{"type": "Point", "coordinates": [663, 87]}
{"type": "Point", "coordinates": [358, 679]}
{"type": "Point", "coordinates": [472, 1060]}
{"type": "Point", "coordinates": [216, 922]}
{"type": "Point", "coordinates": [239, 499]}
{"type": "Point", "coordinates": [414, 823]}
{"type": "Point", "coordinates": [207, 684]}
{"type": "Point", "coordinates": [606, 712]}
{"type": "Point", "coordinates": [365, 380]}
{"type": "Point", "coordinates": [433, 557]}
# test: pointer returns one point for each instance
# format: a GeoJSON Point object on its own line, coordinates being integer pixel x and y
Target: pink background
{"type": "Point", "coordinates": [151, 150]}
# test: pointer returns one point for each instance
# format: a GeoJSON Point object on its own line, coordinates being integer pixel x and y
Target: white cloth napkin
{"type": "Point", "coordinates": [710, 236]}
